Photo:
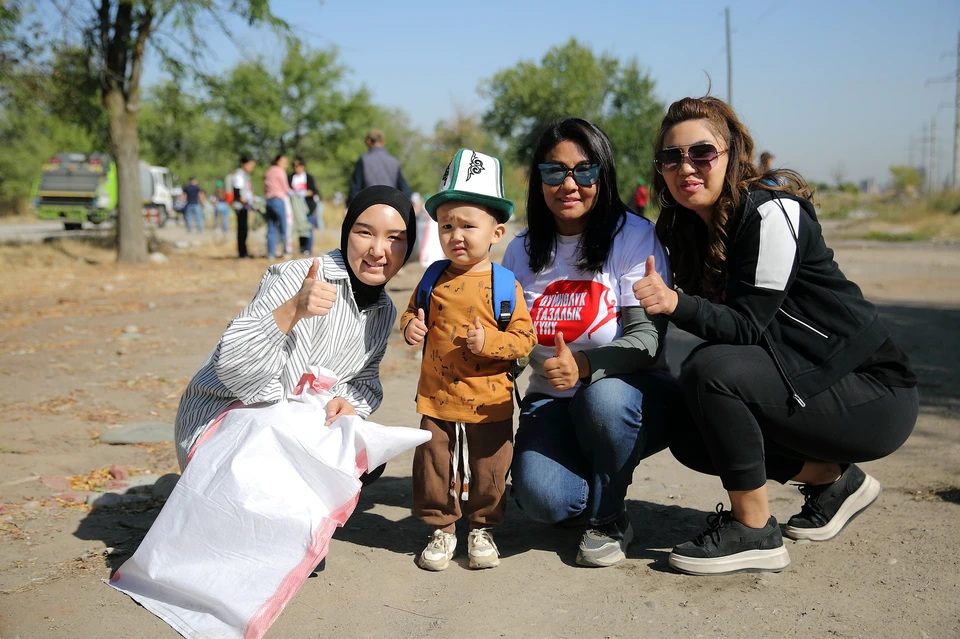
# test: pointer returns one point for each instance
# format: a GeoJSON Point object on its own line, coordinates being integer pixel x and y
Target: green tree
{"type": "Point", "coordinates": [305, 109]}
{"type": "Point", "coordinates": [905, 178]}
{"type": "Point", "coordinates": [571, 80]}
{"type": "Point", "coordinates": [118, 35]}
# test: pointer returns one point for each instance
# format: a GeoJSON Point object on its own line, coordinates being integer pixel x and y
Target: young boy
{"type": "Point", "coordinates": [465, 392]}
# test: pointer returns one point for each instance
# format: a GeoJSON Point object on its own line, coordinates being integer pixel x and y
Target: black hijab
{"type": "Point", "coordinates": [364, 294]}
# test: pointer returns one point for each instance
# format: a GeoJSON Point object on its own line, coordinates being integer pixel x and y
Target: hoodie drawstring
{"type": "Point", "coordinates": [460, 440]}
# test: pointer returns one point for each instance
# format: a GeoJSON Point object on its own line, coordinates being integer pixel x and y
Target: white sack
{"type": "Point", "coordinates": [254, 511]}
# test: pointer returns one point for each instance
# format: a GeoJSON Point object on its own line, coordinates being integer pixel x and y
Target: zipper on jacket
{"type": "Point", "coordinates": [786, 380]}
{"type": "Point", "coordinates": [804, 324]}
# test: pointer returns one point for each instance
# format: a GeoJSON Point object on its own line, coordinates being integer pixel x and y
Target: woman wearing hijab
{"type": "Point", "coordinates": [330, 311]}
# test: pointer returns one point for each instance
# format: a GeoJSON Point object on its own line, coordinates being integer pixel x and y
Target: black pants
{"type": "Point", "coordinates": [242, 217]}
{"type": "Point", "coordinates": [744, 428]}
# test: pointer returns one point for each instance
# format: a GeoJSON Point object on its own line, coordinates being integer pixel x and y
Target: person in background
{"type": "Point", "coordinates": [303, 184]}
{"type": "Point", "coordinates": [766, 162]}
{"type": "Point", "coordinates": [194, 209]}
{"type": "Point", "coordinates": [376, 166]}
{"type": "Point", "coordinates": [275, 191]}
{"type": "Point", "coordinates": [243, 201]}
{"type": "Point", "coordinates": [221, 209]}
{"type": "Point", "coordinates": [640, 197]}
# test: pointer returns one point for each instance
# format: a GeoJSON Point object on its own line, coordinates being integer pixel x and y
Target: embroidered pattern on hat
{"type": "Point", "coordinates": [476, 166]}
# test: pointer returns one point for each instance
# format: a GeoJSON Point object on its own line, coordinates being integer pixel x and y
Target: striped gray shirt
{"type": "Point", "coordinates": [255, 362]}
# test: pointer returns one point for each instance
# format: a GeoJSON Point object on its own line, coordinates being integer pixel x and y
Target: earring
{"type": "Point", "coordinates": [664, 204]}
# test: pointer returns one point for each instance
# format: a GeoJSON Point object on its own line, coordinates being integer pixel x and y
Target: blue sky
{"type": "Point", "coordinates": [826, 86]}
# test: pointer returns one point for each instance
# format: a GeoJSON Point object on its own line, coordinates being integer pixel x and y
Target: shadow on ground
{"type": "Point", "coordinates": [656, 527]}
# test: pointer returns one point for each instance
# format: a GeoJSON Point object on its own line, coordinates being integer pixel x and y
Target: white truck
{"type": "Point", "coordinates": [156, 189]}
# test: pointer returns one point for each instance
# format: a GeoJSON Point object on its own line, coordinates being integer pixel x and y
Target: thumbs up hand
{"type": "Point", "coordinates": [416, 329]}
{"type": "Point", "coordinates": [652, 293]}
{"type": "Point", "coordinates": [562, 370]}
{"type": "Point", "coordinates": [476, 336]}
{"type": "Point", "coordinates": [316, 297]}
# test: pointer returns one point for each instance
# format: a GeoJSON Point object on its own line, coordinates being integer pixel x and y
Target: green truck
{"type": "Point", "coordinates": [77, 188]}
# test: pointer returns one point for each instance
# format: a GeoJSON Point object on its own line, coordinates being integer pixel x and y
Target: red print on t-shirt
{"type": "Point", "coordinates": [571, 307]}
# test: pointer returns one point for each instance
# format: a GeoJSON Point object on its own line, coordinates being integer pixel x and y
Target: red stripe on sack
{"type": "Point", "coordinates": [211, 429]}
{"type": "Point", "coordinates": [261, 621]}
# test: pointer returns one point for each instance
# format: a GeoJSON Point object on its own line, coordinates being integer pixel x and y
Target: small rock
{"type": "Point", "coordinates": [140, 433]}
{"type": "Point", "coordinates": [56, 482]}
{"type": "Point", "coordinates": [241, 303]}
{"type": "Point", "coordinates": [107, 287]}
{"type": "Point", "coordinates": [437, 623]}
{"type": "Point", "coordinates": [110, 500]}
{"type": "Point", "coordinates": [164, 486]}
{"type": "Point", "coordinates": [119, 472]}
{"type": "Point", "coordinates": [75, 496]}
{"type": "Point", "coordinates": [116, 485]}
{"type": "Point", "coordinates": [31, 505]}
{"type": "Point", "coordinates": [924, 635]}
{"type": "Point", "coordinates": [182, 244]}
{"type": "Point", "coordinates": [159, 258]}
{"type": "Point", "coordinates": [801, 542]}
{"type": "Point", "coordinates": [130, 329]}
{"type": "Point", "coordinates": [891, 561]}
{"type": "Point", "coordinates": [650, 603]}
{"type": "Point", "coordinates": [151, 305]}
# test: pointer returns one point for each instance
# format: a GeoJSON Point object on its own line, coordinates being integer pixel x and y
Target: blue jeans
{"type": "Point", "coordinates": [276, 223]}
{"type": "Point", "coordinates": [577, 455]}
{"type": "Point", "coordinates": [221, 213]}
{"type": "Point", "coordinates": [194, 212]}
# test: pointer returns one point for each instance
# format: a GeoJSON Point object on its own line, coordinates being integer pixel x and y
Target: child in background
{"type": "Point", "coordinates": [465, 394]}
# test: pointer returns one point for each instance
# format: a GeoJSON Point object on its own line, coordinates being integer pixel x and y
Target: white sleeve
{"type": "Point", "coordinates": [239, 181]}
{"type": "Point", "coordinates": [635, 243]}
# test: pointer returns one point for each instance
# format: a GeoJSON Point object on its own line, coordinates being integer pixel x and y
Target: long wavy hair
{"type": "Point", "coordinates": [606, 217]}
{"type": "Point", "coordinates": [698, 252]}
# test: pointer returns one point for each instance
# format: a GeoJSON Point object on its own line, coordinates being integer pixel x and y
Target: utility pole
{"type": "Point", "coordinates": [726, 12]}
{"type": "Point", "coordinates": [933, 155]}
{"type": "Point", "coordinates": [922, 164]}
{"type": "Point", "coordinates": [955, 78]}
{"type": "Point", "coordinates": [956, 126]}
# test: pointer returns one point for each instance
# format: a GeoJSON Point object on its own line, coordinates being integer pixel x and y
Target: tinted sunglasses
{"type": "Point", "coordinates": [584, 174]}
{"type": "Point", "coordinates": [702, 156]}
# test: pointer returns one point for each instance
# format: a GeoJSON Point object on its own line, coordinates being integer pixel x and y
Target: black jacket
{"type": "Point", "coordinates": [785, 292]}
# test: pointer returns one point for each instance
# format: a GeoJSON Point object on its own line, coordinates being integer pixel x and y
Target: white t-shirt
{"type": "Point", "coordinates": [585, 307]}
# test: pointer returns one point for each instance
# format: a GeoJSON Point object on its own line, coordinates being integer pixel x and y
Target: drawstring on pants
{"type": "Point", "coordinates": [460, 439]}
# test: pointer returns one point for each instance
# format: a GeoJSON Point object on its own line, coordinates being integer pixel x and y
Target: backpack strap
{"type": "Point", "coordinates": [427, 282]}
{"type": "Point", "coordinates": [503, 284]}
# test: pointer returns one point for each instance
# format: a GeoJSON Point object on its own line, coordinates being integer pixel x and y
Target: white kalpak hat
{"type": "Point", "coordinates": [476, 178]}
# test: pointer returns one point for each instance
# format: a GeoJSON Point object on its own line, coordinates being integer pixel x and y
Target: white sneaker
{"type": "Point", "coordinates": [439, 552]}
{"type": "Point", "coordinates": [481, 550]}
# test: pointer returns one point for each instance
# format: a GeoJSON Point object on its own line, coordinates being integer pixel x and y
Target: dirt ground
{"type": "Point", "coordinates": [71, 367]}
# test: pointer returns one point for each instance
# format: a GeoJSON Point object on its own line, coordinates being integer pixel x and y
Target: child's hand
{"type": "Point", "coordinates": [475, 337]}
{"type": "Point", "coordinates": [416, 329]}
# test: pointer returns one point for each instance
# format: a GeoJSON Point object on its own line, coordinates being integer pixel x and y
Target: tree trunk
{"type": "Point", "coordinates": [125, 148]}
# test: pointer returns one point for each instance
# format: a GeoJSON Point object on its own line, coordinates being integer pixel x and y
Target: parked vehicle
{"type": "Point", "coordinates": [156, 187]}
{"type": "Point", "coordinates": [77, 188]}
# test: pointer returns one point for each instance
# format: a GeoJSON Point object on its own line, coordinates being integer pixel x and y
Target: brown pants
{"type": "Point", "coordinates": [490, 453]}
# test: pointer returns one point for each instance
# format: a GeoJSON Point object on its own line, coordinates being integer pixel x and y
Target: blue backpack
{"type": "Point", "coordinates": [503, 284]}
{"type": "Point", "coordinates": [504, 287]}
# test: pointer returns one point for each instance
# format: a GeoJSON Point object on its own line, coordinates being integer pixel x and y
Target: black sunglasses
{"type": "Point", "coordinates": [702, 156]}
{"type": "Point", "coordinates": [584, 174]}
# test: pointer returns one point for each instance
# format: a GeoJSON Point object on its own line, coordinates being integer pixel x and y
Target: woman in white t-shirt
{"type": "Point", "coordinates": [598, 393]}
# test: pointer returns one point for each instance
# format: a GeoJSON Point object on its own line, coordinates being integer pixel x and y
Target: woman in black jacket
{"type": "Point", "coordinates": [798, 378]}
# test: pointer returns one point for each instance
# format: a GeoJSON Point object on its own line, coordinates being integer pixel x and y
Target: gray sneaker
{"type": "Point", "coordinates": [606, 545]}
